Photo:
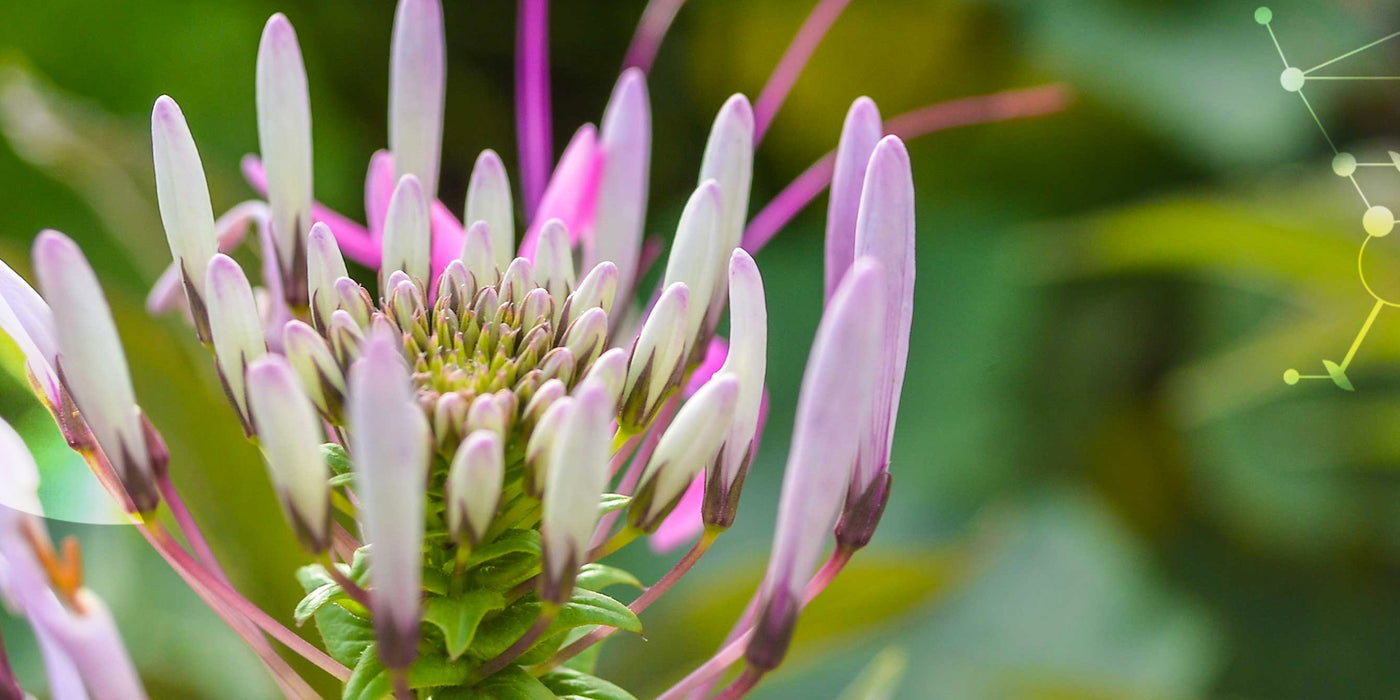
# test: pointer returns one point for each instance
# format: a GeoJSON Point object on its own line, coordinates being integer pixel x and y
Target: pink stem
{"type": "Point", "coordinates": [1001, 106]}
{"type": "Point", "coordinates": [709, 670]}
{"type": "Point", "coordinates": [741, 687]}
{"type": "Point", "coordinates": [207, 585]}
{"type": "Point", "coordinates": [292, 684]}
{"type": "Point", "coordinates": [188, 527]}
{"type": "Point", "coordinates": [793, 61]}
{"type": "Point", "coordinates": [532, 100]}
{"type": "Point", "coordinates": [656, 20]}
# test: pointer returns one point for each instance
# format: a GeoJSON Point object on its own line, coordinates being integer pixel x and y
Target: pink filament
{"type": "Point", "coordinates": [532, 99]}
{"type": "Point", "coordinates": [790, 66]}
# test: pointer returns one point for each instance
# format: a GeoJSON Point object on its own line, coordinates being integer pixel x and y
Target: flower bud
{"type": "Point", "coordinates": [345, 338]}
{"type": "Point", "coordinates": [185, 211]}
{"type": "Point", "coordinates": [455, 288]}
{"type": "Point", "coordinates": [625, 139]}
{"type": "Point", "coordinates": [537, 307]}
{"type": "Point", "coordinates": [320, 374]}
{"type": "Point", "coordinates": [474, 486]}
{"type": "Point", "coordinates": [691, 442]}
{"type": "Point", "coordinates": [542, 439]}
{"type": "Point", "coordinates": [832, 411]}
{"type": "Point", "coordinates": [354, 300]}
{"type": "Point", "coordinates": [728, 160]}
{"type": "Point", "coordinates": [389, 439]}
{"type": "Point", "coordinates": [290, 436]}
{"type": "Point", "coordinates": [518, 280]}
{"type": "Point", "coordinates": [284, 138]}
{"type": "Point", "coordinates": [450, 418]}
{"type": "Point", "coordinates": [859, 134]}
{"type": "Point", "coordinates": [491, 413]}
{"type": "Point", "coordinates": [236, 329]}
{"type": "Point", "coordinates": [588, 336]}
{"type": "Point", "coordinates": [549, 391]}
{"type": "Point", "coordinates": [692, 259]}
{"type": "Point", "coordinates": [609, 370]}
{"type": "Point", "coordinates": [577, 473]}
{"type": "Point", "coordinates": [407, 234]}
{"type": "Point", "coordinates": [324, 265]}
{"type": "Point", "coordinates": [554, 261]}
{"type": "Point", "coordinates": [747, 360]}
{"type": "Point", "coordinates": [489, 201]}
{"type": "Point", "coordinates": [560, 364]}
{"type": "Point", "coordinates": [93, 366]}
{"type": "Point", "coordinates": [655, 368]}
{"type": "Point", "coordinates": [478, 254]}
{"type": "Point", "coordinates": [598, 289]}
{"type": "Point", "coordinates": [27, 320]}
{"type": "Point", "coordinates": [417, 88]}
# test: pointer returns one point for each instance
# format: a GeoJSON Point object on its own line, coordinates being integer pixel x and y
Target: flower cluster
{"type": "Point", "coordinates": [461, 444]}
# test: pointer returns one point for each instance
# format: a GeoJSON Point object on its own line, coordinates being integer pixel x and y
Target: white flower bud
{"type": "Point", "coordinates": [489, 200]}
{"type": "Point", "coordinates": [691, 442]}
{"type": "Point", "coordinates": [320, 375]}
{"type": "Point", "coordinates": [474, 486]}
{"type": "Point", "coordinates": [324, 265]}
{"type": "Point", "coordinates": [728, 160]}
{"type": "Point", "coordinates": [290, 436]}
{"type": "Point", "coordinates": [692, 258]}
{"type": "Point", "coordinates": [407, 234]}
{"type": "Point", "coordinates": [554, 261]}
{"type": "Point", "coordinates": [236, 328]}
{"type": "Point", "coordinates": [577, 473]}
{"type": "Point", "coordinates": [478, 254]}
{"type": "Point", "coordinates": [284, 137]}
{"type": "Point", "coordinates": [417, 88]}
{"type": "Point", "coordinates": [654, 367]}
{"type": "Point", "coordinates": [185, 211]}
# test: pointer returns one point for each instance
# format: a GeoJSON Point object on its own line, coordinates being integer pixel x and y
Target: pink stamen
{"type": "Point", "coordinates": [984, 109]}
{"type": "Point", "coordinates": [354, 241]}
{"type": "Point", "coordinates": [532, 99]}
{"type": "Point", "coordinates": [656, 21]}
{"type": "Point", "coordinates": [800, 51]}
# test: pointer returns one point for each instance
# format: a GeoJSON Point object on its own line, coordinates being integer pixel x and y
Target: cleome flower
{"type": "Point", "coordinates": [460, 444]}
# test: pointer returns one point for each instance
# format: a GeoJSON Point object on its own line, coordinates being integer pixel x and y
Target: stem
{"type": "Point", "coordinates": [826, 574]}
{"type": "Point", "coordinates": [642, 602]}
{"type": "Point", "coordinates": [188, 527]}
{"type": "Point", "coordinates": [203, 582]}
{"type": "Point", "coordinates": [623, 538]}
{"type": "Point", "coordinates": [292, 684]}
{"type": "Point", "coordinates": [352, 589]}
{"type": "Point", "coordinates": [741, 687]}
{"type": "Point", "coordinates": [343, 542]}
{"type": "Point", "coordinates": [713, 668]}
{"type": "Point", "coordinates": [522, 645]}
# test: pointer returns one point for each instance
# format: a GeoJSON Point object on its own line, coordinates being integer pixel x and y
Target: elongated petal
{"type": "Point", "coordinates": [577, 474]}
{"type": "Point", "coordinates": [831, 414]}
{"type": "Point", "coordinates": [625, 142]}
{"type": "Point", "coordinates": [656, 357]}
{"type": "Point", "coordinates": [314, 363]}
{"type": "Point", "coordinates": [27, 320]}
{"type": "Point", "coordinates": [728, 160]}
{"type": "Point", "coordinates": [587, 337]}
{"type": "Point", "coordinates": [379, 187]}
{"type": "Point", "coordinates": [747, 360]}
{"type": "Point", "coordinates": [389, 442]}
{"type": "Point", "coordinates": [290, 436]}
{"type": "Point", "coordinates": [324, 265]}
{"type": "Point", "coordinates": [692, 256]}
{"type": "Point", "coordinates": [89, 638]}
{"type": "Point", "coordinates": [417, 88]}
{"type": "Point", "coordinates": [572, 192]}
{"type": "Point", "coordinates": [355, 242]}
{"type": "Point", "coordinates": [183, 195]}
{"type": "Point", "coordinates": [474, 485]}
{"type": "Point", "coordinates": [532, 110]}
{"type": "Point", "coordinates": [407, 234]}
{"type": "Point", "coordinates": [609, 370]}
{"type": "Point", "coordinates": [229, 230]}
{"type": "Point", "coordinates": [885, 231]}
{"type": "Point", "coordinates": [93, 364]}
{"type": "Point", "coordinates": [859, 135]}
{"type": "Point", "coordinates": [19, 475]}
{"type": "Point", "coordinates": [489, 200]}
{"type": "Point", "coordinates": [237, 330]}
{"type": "Point", "coordinates": [284, 138]}
{"type": "Point", "coordinates": [689, 443]}
{"type": "Point", "coordinates": [478, 254]}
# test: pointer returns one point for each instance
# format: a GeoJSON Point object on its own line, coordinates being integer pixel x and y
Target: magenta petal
{"type": "Point", "coordinates": [684, 523]}
{"type": "Point", "coordinates": [355, 242]}
{"type": "Point", "coordinates": [532, 111]}
{"type": "Point", "coordinates": [859, 135]}
{"type": "Point", "coordinates": [715, 355]}
{"type": "Point", "coordinates": [572, 193]}
{"type": "Point", "coordinates": [448, 236]}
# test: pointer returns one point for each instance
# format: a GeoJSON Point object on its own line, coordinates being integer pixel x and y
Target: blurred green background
{"type": "Point", "coordinates": [1103, 487]}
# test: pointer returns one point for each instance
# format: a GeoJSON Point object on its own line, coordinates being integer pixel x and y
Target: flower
{"type": "Point", "coordinates": [456, 445]}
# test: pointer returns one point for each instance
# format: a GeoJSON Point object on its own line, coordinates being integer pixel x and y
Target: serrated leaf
{"type": "Point", "coordinates": [509, 542]}
{"type": "Point", "coordinates": [345, 634]}
{"type": "Point", "coordinates": [336, 458]}
{"type": "Point", "coordinates": [315, 600]}
{"type": "Point", "coordinates": [370, 680]}
{"type": "Point", "coordinates": [593, 608]}
{"type": "Point", "coordinates": [596, 577]}
{"type": "Point", "coordinates": [612, 502]}
{"type": "Point", "coordinates": [584, 608]}
{"type": "Point", "coordinates": [569, 683]}
{"type": "Point", "coordinates": [459, 618]}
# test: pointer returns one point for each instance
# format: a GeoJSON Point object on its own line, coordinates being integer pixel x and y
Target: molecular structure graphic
{"type": "Point", "coordinates": [1378, 221]}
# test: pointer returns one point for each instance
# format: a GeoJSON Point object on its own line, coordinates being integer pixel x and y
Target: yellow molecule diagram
{"type": "Point", "coordinates": [1378, 221]}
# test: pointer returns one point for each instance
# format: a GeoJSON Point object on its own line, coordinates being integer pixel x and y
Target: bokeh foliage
{"type": "Point", "coordinates": [1103, 489]}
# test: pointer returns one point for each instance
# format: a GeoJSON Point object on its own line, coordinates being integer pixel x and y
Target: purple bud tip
{"type": "Point", "coordinates": [51, 248]}
{"type": "Point", "coordinates": [166, 110]}
{"type": "Point", "coordinates": [738, 107]}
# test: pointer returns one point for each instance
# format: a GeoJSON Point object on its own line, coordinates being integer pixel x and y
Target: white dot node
{"type": "Point", "coordinates": [1292, 79]}
{"type": "Point", "coordinates": [1344, 164]}
{"type": "Point", "coordinates": [1378, 221]}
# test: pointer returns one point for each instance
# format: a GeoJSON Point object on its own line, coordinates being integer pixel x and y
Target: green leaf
{"type": "Point", "coordinates": [315, 600]}
{"type": "Point", "coordinates": [509, 542]}
{"type": "Point", "coordinates": [312, 576]}
{"type": "Point", "coordinates": [569, 683]}
{"type": "Point", "coordinates": [458, 618]}
{"type": "Point", "coordinates": [336, 458]}
{"type": "Point", "coordinates": [596, 577]}
{"type": "Point", "coordinates": [345, 634]}
{"type": "Point", "coordinates": [369, 680]}
{"type": "Point", "coordinates": [506, 572]}
{"type": "Point", "coordinates": [593, 608]}
{"type": "Point", "coordinates": [342, 480]}
{"type": "Point", "coordinates": [585, 608]}
{"type": "Point", "coordinates": [359, 565]}
{"type": "Point", "coordinates": [499, 631]}
{"type": "Point", "coordinates": [612, 502]}
{"type": "Point", "coordinates": [436, 671]}
{"type": "Point", "coordinates": [512, 684]}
